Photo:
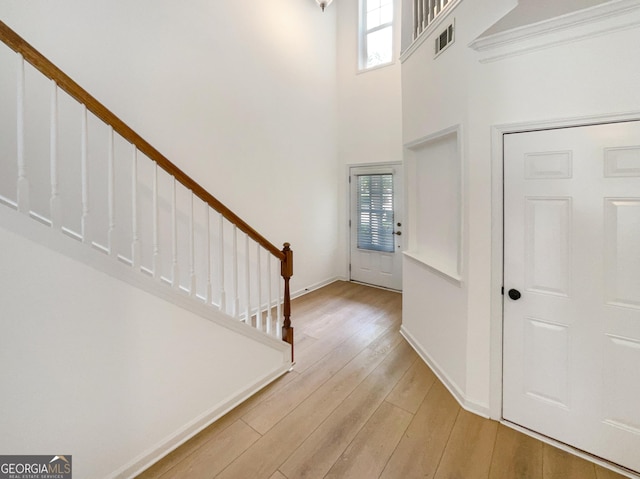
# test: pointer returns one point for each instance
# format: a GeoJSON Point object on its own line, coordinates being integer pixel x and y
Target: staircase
{"type": "Point", "coordinates": [134, 204]}
{"type": "Point", "coordinates": [76, 178]}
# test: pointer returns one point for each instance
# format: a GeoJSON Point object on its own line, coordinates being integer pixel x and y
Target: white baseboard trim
{"type": "Point", "coordinates": [374, 286]}
{"type": "Point", "coordinates": [189, 430]}
{"type": "Point", "coordinates": [318, 285]}
{"type": "Point", "coordinates": [454, 389]}
{"type": "Point", "coordinates": [171, 443]}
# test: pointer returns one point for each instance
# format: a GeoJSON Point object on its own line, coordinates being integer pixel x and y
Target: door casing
{"type": "Point", "coordinates": [497, 248]}
{"type": "Point", "coordinates": [391, 164]}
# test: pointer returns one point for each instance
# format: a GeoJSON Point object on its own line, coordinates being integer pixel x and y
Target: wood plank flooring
{"type": "Point", "coordinates": [361, 404]}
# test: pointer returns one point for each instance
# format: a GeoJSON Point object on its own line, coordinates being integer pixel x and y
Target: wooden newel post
{"type": "Point", "coordinates": [287, 272]}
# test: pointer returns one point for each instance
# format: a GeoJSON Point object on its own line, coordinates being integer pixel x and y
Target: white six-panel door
{"type": "Point", "coordinates": [572, 251]}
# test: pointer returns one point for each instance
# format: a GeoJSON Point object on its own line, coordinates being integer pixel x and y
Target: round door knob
{"type": "Point", "coordinates": [514, 294]}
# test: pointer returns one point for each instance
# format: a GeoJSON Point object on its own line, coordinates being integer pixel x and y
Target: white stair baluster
{"type": "Point", "coordinates": [22, 198]}
{"type": "Point", "coordinates": [279, 308]}
{"type": "Point", "coordinates": [175, 271]}
{"type": "Point", "coordinates": [156, 232]}
{"type": "Point", "coordinates": [269, 317]}
{"type": "Point", "coordinates": [111, 197]}
{"type": "Point", "coordinates": [259, 276]}
{"type": "Point", "coordinates": [209, 293]}
{"type": "Point", "coordinates": [223, 294]}
{"type": "Point", "coordinates": [54, 201]}
{"type": "Point", "coordinates": [247, 279]}
{"type": "Point", "coordinates": [84, 173]}
{"type": "Point", "coordinates": [135, 240]}
{"type": "Point", "coordinates": [236, 293]}
{"type": "Point", "coordinates": [192, 250]}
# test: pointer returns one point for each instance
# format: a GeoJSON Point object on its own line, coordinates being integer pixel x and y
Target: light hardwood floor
{"type": "Point", "coordinates": [361, 404]}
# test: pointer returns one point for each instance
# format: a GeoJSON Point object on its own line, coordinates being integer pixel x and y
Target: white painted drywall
{"type": "Point", "coordinates": [369, 125]}
{"type": "Point", "coordinates": [434, 313]}
{"type": "Point", "coordinates": [240, 95]}
{"type": "Point", "coordinates": [106, 372]}
{"type": "Point", "coordinates": [589, 77]}
{"type": "Point", "coordinates": [369, 121]}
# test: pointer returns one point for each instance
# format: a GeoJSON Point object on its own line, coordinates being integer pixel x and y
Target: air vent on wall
{"type": "Point", "coordinates": [444, 39]}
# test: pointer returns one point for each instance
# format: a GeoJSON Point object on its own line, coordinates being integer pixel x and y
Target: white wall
{"type": "Point", "coordinates": [241, 95]}
{"type": "Point", "coordinates": [369, 126]}
{"type": "Point", "coordinates": [595, 76]}
{"type": "Point", "coordinates": [369, 102]}
{"type": "Point", "coordinates": [105, 372]}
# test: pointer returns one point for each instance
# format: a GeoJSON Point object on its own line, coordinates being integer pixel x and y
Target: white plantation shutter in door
{"type": "Point", "coordinates": [375, 212]}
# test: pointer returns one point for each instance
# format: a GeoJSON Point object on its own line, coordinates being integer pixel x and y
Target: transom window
{"type": "Point", "coordinates": [376, 33]}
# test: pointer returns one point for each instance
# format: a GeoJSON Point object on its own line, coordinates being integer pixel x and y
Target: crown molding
{"type": "Point", "coordinates": [590, 22]}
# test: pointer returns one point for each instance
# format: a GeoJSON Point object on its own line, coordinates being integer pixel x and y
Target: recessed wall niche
{"type": "Point", "coordinates": [434, 202]}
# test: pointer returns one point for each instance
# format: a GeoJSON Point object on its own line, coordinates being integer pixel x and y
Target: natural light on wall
{"type": "Point", "coordinates": [376, 33]}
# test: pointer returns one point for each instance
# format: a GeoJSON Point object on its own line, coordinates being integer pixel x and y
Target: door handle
{"type": "Point", "coordinates": [399, 233]}
{"type": "Point", "coordinates": [514, 294]}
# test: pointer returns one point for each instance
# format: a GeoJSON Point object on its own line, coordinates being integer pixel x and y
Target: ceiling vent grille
{"type": "Point", "coordinates": [444, 39]}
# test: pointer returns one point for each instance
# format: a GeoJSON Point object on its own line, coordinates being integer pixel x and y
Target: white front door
{"type": "Point", "coordinates": [376, 225]}
{"type": "Point", "coordinates": [572, 287]}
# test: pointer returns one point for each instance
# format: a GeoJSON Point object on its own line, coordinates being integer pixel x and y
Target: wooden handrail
{"type": "Point", "coordinates": [63, 81]}
{"type": "Point", "coordinates": [47, 68]}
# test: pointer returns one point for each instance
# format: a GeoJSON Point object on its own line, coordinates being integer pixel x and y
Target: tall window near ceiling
{"type": "Point", "coordinates": [376, 33]}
